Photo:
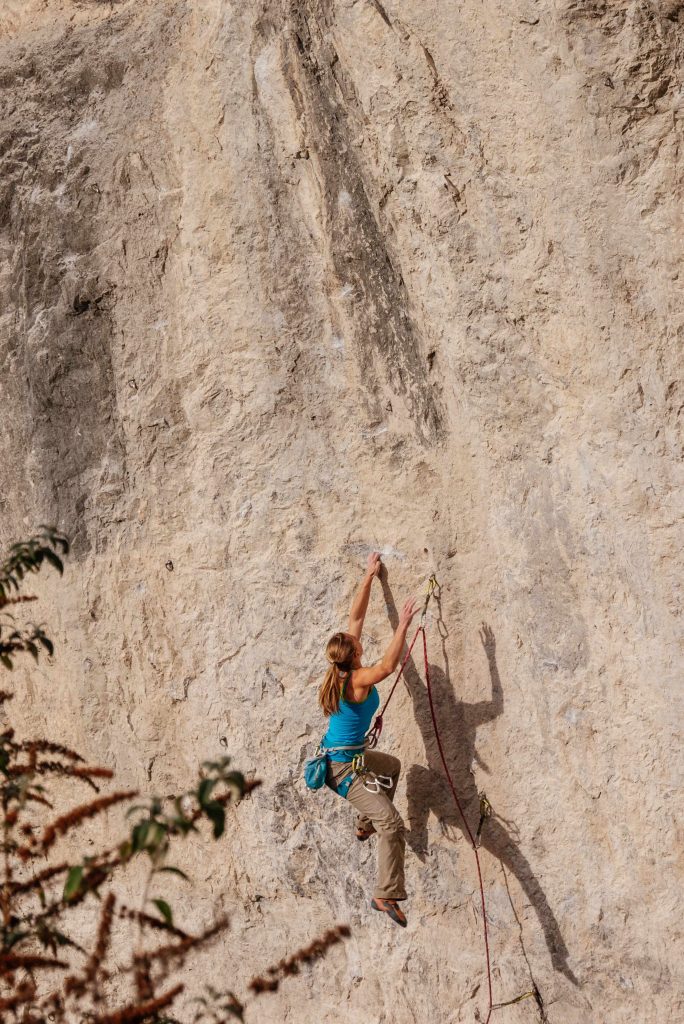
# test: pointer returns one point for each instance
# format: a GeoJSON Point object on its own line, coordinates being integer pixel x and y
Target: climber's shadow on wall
{"type": "Point", "coordinates": [428, 790]}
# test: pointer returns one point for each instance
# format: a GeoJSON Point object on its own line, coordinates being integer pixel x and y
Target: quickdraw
{"type": "Point", "coordinates": [485, 812]}
{"type": "Point", "coordinates": [371, 780]}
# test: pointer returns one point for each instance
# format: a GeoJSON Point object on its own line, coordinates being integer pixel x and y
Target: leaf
{"type": "Point", "coordinates": [236, 782]}
{"type": "Point", "coordinates": [165, 910]}
{"type": "Point", "coordinates": [136, 807]}
{"type": "Point", "coordinates": [47, 644]}
{"type": "Point", "coordinates": [216, 766]}
{"type": "Point", "coordinates": [173, 871]}
{"type": "Point", "coordinates": [139, 836]}
{"type": "Point", "coordinates": [204, 791]}
{"type": "Point", "coordinates": [11, 938]}
{"type": "Point", "coordinates": [184, 825]}
{"type": "Point", "coordinates": [6, 660]}
{"type": "Point", "coordinates": [157, 839]}
{"type": "Point", "coordinates": [215, 811]}
{"type": "Point", "coordinates": [73, 882]}
{"type": "Point", "coordinates": [54, 559]}
{"type": "Point", "coordinates": [63, 940]}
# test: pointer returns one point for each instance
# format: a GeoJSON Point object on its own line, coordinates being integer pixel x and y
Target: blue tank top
{"type": "Point", "coordinates": [350, 725]}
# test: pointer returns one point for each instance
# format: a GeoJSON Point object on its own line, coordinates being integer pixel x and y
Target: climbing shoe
{"type": "Point", "coordinates": [390, 907]}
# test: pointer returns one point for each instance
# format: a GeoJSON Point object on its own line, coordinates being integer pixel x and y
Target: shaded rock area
{"type": "Point", "coordinates": [286, 281]}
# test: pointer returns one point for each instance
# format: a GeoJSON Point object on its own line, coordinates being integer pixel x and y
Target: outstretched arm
{"type": "Point", "coordinates": [360, 603]}
{"type": "Point", "coordinates": [364, 678]}
{"type": "Point", "coordinates": [486, 710]}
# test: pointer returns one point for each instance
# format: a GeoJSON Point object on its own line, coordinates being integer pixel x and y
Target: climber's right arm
{"type": "Point", "coordinates": [364, 678]}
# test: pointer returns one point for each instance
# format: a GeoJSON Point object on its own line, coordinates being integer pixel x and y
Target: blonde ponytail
{"type": "Point", "coordinates": [339, 651]}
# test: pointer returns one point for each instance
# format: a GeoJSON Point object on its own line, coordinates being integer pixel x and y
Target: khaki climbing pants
{"type": "Point", "coordinates": [377, 813]}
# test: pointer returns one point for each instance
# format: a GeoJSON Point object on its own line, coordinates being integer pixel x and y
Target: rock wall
{"type": "Point", "coordinates": [285, 281]}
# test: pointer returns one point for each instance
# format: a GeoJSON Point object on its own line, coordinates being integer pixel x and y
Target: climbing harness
{"type": "Point", "coordinates": [372, 781]}
{"type": "Point", "coordinates": [316, 769]}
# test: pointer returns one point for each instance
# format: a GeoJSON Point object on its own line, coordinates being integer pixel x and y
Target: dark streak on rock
{"type": "Point", "coordinates": [440, 90]}
{"type": "Point", "coordinates": [382, 12]}
{"type": "Point", "coordinates": [359, 250]}
{"type": "Point", "coordinates": [62, 384]}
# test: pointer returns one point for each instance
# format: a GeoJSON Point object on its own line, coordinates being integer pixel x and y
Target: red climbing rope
{"type": "Point", "coordinates": [374, 735]}
{"type": "Point", "coordinates": [467, 827]}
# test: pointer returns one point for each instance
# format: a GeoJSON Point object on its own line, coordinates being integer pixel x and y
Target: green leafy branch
{"type": "Point", "coordinates": [158, 822]}
{"type": "Point", "coordinates": [25, 558]}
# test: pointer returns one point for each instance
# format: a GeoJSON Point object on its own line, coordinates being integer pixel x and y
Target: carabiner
{"type": "Point", "coordinates": [432, 585]}
{"type": "Point", "coordinates": [377, 782]}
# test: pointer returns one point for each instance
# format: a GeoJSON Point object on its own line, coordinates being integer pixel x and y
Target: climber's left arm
{"type": "Point", "coordinates": [359, 606]}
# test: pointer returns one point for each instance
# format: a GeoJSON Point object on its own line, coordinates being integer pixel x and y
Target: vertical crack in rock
{"type": "Point", "coordinates": [366, 271]}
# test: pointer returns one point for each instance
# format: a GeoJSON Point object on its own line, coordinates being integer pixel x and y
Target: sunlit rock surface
{"type": "Point", "coordinates": [283, 282]}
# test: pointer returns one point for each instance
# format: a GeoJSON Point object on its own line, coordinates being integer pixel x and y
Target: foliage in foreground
{"type": "Point", "coordinates": [46, 975]}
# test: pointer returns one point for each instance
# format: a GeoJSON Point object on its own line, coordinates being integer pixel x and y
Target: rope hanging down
{"type": "Point", "coordinates": [465, 823]}
{"type": "Point", "coordinates": [374, 735]}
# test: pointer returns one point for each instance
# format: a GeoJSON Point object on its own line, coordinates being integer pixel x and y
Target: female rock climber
{"type": "Point", "coordinates": [349, 697]}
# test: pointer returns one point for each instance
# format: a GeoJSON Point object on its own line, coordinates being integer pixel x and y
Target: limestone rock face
{"type": "Point", "coordinates": [286, 281]}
